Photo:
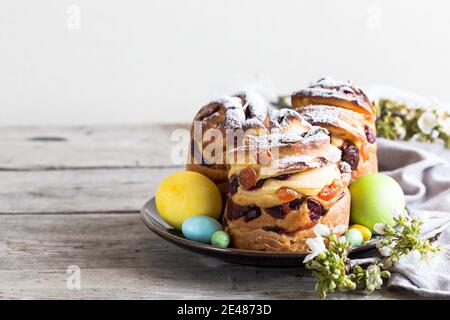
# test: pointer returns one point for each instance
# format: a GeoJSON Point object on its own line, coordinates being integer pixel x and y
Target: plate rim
{"type": "Point", "coordinates": [151, 204]}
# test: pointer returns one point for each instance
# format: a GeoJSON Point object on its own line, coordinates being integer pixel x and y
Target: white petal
{"type": "Point", "coordinates": [416, 137]}
{"type": "Point", "coordinates": [342, 239]}
{"type": "Point", "coordinates": [316, 245]}
{"type": "Point", "coordinates": [426, 122]}
{"type": "Point", "coordinates": [385, 251]}
{"type": "Point", "coordinates": [446, 126]}
{"type": "Point", "coordinates": [321, 230]}
{"type": "Point", "coordinates": [379, 228]}
{"type": "Point", "coordinates": [310, 257]}
{"type": "Point", "coordinates": [339, 229]}
{"type": "Point", "coordinates": [434, 133]}
{"type": "Point", "coordinates": [396, 213]}
{"type": "Point", "coordinates": [401, 132]}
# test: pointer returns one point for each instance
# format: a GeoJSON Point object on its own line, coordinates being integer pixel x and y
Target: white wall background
{"type": "Point", "coordinates": [160, 60]}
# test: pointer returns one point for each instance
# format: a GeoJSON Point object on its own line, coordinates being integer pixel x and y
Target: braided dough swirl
{"type": "Point", "coordinates": [347, 113]}
{"type": "Point", "coordinates": [285, 183]}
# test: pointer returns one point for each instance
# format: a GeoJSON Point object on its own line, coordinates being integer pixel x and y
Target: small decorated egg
{"type": "Point", "coordinates": [354, 237]}
{"type": "Point", "coordinates": [375, 199]}
{"type": "Point", "coordinates": [367, 235]}
{"type": "Point", "coordinates": [185, 194]}
{"type": "Point", "coordinates": [220, 239]}
{"type": "Point", "coordinates": [200, 228]}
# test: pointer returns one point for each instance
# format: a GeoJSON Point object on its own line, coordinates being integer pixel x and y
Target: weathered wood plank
{"type": "Point", "coordinates": [143, 283]}
{"type": "Point", "coordinates": [86, 147]}
{"type": "Point", "coordinates": [119, 258]}
{"type": "Point", "coordinates": [65, 191]}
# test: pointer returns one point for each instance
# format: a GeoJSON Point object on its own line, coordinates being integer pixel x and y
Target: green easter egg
{"type": "Point", "coordinates": [374, 199]}
{"type": "Point", "coordinates": [220, 239]}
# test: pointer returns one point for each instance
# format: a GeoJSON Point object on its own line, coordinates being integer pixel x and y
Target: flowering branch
{"type": "Point", "coordinates": [334, 271]}
{"type": "Point", "coordinates": [397, 121]}
{"type": "Point", "coordinates": [402, 240]}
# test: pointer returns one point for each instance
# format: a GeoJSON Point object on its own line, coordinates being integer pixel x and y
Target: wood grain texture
{"type": "Point", "coordinates": [87, 147]}
{"type": "Point", "coordinates": [69, 191]}
{"type": "Point", "coordinates": [70, 196]}
{"type": "Point", "coordinates": [120, 259]}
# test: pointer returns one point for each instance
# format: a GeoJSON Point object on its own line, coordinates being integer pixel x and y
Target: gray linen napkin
{"type": "Point", "coordinates": [423, 170]}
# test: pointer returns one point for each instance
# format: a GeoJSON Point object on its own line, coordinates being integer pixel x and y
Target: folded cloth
{"type": "Point", "coordinates": [423, 171]}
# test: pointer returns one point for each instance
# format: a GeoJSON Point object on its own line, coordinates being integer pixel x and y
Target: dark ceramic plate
{"type": "Point", "coordinates": [155, 223]}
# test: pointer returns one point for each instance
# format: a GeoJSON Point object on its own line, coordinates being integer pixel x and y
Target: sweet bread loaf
{"type": "Point", "coordinates": [243, 111]}
{"type": "Point", "coordinates": [285, 183]}
{"type": "Point", "coordinates": [347, 113]}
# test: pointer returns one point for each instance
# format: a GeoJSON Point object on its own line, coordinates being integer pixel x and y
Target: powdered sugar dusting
{"type": "Point", "coordinates": [257, 105]}
{"type": "Point", "coordinates": [238, 114]}
{"type": "Point", "coordinates": [282, 119]}
{"type": "Point", "coordinates": [322, 114]}
{"type": "Point", "coordinates": [273, 140]}
{"type": "Point", "coordinates": [330, 82]}
{"type": "Point", "coordinates": [330, 88]}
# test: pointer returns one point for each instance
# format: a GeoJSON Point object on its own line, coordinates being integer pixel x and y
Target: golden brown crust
{"type": "Point", "coordinates": [327, 91]}
{"type": "Point", "coordinates": [274, 205]}
{"type": "Point", "coordinates": [244, 111]}
{"type": "Point", "coordinates": [369, 165]}
{"type": "Point", "coordinates": [252, 237]}
{"type": "Point", "coordinates": [217, 174]}
{"type": "Point", "coordinates": [345, 125]}
{"type": "Point", "coordinates": [346, 112]}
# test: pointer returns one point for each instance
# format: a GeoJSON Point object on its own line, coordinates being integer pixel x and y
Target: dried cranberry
{"type": "Point", "coordinates": [248, 178]}
{"type": "Point", "coordinates": [276, 212]}
{"type": "Point", "coordinates": [253, 213]}
{"type": "Point", "coordinates": [350, 154]}
{"type": "Point", "coordinates": [369, 134]}
{"type": "Point", "coordinates": [296, 204]}
{"type": "Point", "coordinates": [248, 113]}
{"type": "Point", "coordinates": [233, 184]}
{"type": "Point", "coordinates": [315, 210]}
{"type": "Point", "coordinates": [235, 211]}
{"type": "Point", "coordinates": [275, 229]}
{"type": "Point", "coordinates": [258, 185]}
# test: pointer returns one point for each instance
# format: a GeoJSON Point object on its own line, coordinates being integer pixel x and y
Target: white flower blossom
{"type": "Point", "coordinates": [411, 114]}
{"type": "Point", "coordinates": [435, 133]}
{"type": "Point", "coordinates": [397, 213]}
{"type": "Point", "coordinates": [417, 137]}
{"type": "Point", "coordinates": [401, 132]}
{"type": "Point", "coordinates": [317, 246]}
{"type": "Point", "coordinates": [446, 126]}
{"type": "Point", "coordinates": [385, 251]}
{"type": "Point", "coordinates": [427, 122]}
{"type": "Point", "coordinates": [342, 239]}
{"type": "Point", "coordinates": [373, 277]}
{"type": "Point", "coordinates": [339, 229]}
{"type": "Point", "coordinates": [379, 228]}
{"type": "Point", "coordinates": [322, 230]}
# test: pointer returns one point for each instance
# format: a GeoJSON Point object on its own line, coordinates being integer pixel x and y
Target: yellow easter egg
{"type": "Point", "coordinates": [185, 194]}
{"type": "Point", "coordinates": [367, 235]}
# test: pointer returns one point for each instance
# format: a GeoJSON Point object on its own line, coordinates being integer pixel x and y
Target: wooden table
{"type": "Point", "coordinates": [71, 197]}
